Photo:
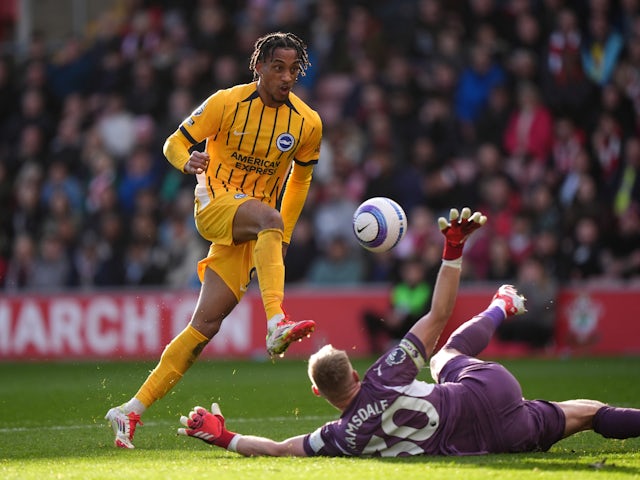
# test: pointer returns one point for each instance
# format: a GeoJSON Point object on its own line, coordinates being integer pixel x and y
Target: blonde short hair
{"type": "Point", "coordinates": [330, 371]}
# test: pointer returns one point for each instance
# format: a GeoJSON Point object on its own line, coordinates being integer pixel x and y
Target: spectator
{"type": "Point", "coordinates": [142, 35]}
{"type": "Point", "coordinates": [601, 50]}
{"type": "Point", "coordinates": [86, 260]}
{"type": "Point", "coordinates": [100, 193]}
{"type": "Point", "coordinates": [607, 140]}
{"type": "Point", "coordinates": [581, 169]}
{"type": "Point", "coordinates": [116, 127]}
{"type": "Point", "coordinates": [565, 84]}
{"type": "Point", "coordinates": [144, 95]}
{"type": "Point", "coordinates": [27, 214]}
{"type": "Point", "coordinates": [66, 145]}
{"type": "Point", "coordinates": [7, 89]}
{"type": "Point", "coordinates": [59, 179]}
{"type": "Point", "coordinates": [502, 267]}
{"type": "Point", "coordinates": [70, 69]}
{"type": "Point", "coordinates": [338, 265]}
{"type": "Point", "coordinates": [569, 142]}
{"type": "Point", "coordinates": [529, 135]}
{"type": "Point", "coordinates": [111, 250]}
{"type": "Point", "coordinates": [22, 265]}
{"type": "Point", "coordinates": [408, 298]}
{"type": "Point", "coordinates": [627, 77]}
{"type": "Point", "coordinates": [584, 252]}
{"type": "Point", "coordinates": [334, 214]}
{"type": "Point", "coordinates": [28, 131]}
{"type": "Point", "coordinates": [146, 261]}
{"type": "Point", "coordinates": [615, 103]}
{"type": "Point", "coordinates": [182, 243]}
{"type": "Point", "coordinates": [302, 251]}
{"type": "Point", "coordinates": [622, 251]}
{"type": "Point", "coordinates": [139, 174]}
{"type": "Point", "coordinates": [381, 175]}
{"type": "Point", "coordinates": [54, 268]}
{"type": "Point", "coordinates": [626, 188]}
{"type": "Point", "coordinates": [543, 209]}
{"type": "Point", "coordinates": [586, 202]}
{"type": "Point", "coordinates": [492, 122]}
{"type": "Point", "coordinates": [476, 82]}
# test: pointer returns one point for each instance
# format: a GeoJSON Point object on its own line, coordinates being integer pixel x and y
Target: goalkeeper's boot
{"type": "Point", "coordinates": [124, 426]}
{"type": "Point", "coordinates": [286, 332]}
{"type": "Point", "coordinates": [511, 301]}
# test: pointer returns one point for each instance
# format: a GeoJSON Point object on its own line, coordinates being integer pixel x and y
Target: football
{"type": "Point", "coordinates": [379, 223]}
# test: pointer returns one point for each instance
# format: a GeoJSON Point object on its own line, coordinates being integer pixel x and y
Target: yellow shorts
{"type": "Point", "coordinates": [214, 214]}
{"type": "Point", "coordinates": [233, 263]}
{"type": "Point", "coordinates": [214, 220]}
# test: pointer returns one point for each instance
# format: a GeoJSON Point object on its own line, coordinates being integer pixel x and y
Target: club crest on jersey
{"type": "Point", "coordinates": [396, 356]}
{"type": "Point", "coordinates": [238, 196]}
{"type": "Point", "coordinates": [285, 142]}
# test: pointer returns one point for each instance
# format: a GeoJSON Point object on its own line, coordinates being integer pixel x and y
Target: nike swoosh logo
{"type": "Point", "coordinates": [359, 230]}
{"type": "Point", "coordinates": [237, 133]}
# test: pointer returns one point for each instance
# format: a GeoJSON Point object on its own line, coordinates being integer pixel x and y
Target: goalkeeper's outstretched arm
{"type": "Point", "coordinates": [456, 231]}
{"type": "Point", "coordinates": [250, 445]}
{"type": "Point", "coordinates": [210, 428]}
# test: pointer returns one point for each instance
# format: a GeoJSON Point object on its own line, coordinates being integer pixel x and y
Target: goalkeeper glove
{"type": "Point", "coordinates": [209, 427]}
{"type": "Point", "coordinates": [456, 231]}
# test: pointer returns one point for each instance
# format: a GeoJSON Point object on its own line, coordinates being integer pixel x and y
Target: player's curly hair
{"type": "Point", "coordinates": [266, 44]}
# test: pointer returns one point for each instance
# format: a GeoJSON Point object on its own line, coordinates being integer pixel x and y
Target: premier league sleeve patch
{"type": "Point", "coordinates": [413, 352]}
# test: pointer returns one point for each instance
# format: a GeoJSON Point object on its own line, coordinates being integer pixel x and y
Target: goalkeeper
{"type": "Point", "coordinates": [475, 407]}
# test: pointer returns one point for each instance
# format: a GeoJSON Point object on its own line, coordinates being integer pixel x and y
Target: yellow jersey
{"type": "Point", "coordinates": [251, 146]}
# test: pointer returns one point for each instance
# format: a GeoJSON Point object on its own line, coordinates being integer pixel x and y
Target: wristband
{"type": "Point", "coordinates": [225, 438]}
{"type": "Point", "coordinates": [457, 263]}
{"type": "Point", "coordinates": [233, 444]}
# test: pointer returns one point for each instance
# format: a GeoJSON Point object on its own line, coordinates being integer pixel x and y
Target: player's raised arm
{"type": "Point", "coordinates": [456, 231]}
{"type": "Point", "coordinates": [210, 428]}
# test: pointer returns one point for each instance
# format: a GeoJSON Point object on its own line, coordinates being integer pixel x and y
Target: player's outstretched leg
{"type": "Point", "coordinates": [124, 426]}
{"type": "Point", "coordinates": [283, 331]}
{"type": "Point", "coordinates": [614, 422]}
{"type": "Point", "coordinates": [474, 335]}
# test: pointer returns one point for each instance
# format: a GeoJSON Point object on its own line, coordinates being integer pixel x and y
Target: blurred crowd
{"type": "Point", "coordinates": [527, 110]}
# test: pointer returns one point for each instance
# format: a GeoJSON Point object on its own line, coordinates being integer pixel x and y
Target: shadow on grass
{"type": "Point", "coordinates": [158, 447]}
{"type": "Point", "coordinates": [544, 462]}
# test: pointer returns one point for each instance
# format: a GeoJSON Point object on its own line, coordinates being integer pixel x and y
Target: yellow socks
{"type": "Point", "coordinates": [176, 359]}
{"type": "Point", "coordinates": [270, 268]}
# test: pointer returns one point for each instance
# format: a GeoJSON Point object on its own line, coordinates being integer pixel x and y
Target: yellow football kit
{"type": "Point", "coordinates": [255, 152]}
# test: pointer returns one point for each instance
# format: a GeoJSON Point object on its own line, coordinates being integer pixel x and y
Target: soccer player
{"type": "Point", "coordinates": [475, 407]}
{"type": "Point", "coordinates": [262, 142]}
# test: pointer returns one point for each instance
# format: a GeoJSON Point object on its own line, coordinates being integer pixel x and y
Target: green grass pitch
{"type": "Point", "coordinates": [52, 426]}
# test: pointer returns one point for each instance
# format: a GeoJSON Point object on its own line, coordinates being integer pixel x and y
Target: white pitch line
{"type": "Point", "coordinates": [318, 418]}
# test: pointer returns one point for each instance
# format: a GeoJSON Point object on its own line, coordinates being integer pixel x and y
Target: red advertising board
{"type": "Point", "coordinates": [137, 325]}
{"type": "Point", "coordinates": [119, 325]}
{"type": "Point", "coordinates": [590, 321]}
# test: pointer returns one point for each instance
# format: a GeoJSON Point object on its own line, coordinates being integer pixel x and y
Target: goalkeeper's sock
{"type": "Point", "coordinates": [613, 422]}
{"type": "Point", "coordinates": [176, 359]}
{"type": "Point", "coordinates": [269, 263]}
{"type": "Point", "coordinates": [474, 335]}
